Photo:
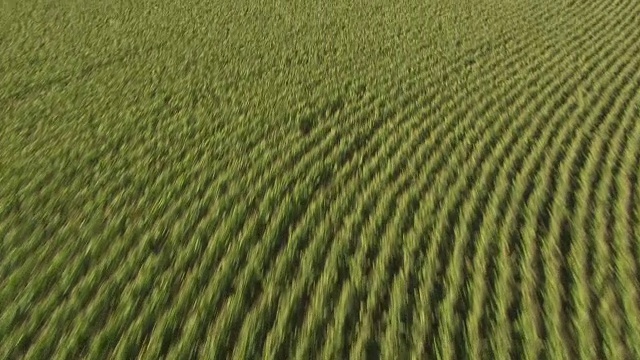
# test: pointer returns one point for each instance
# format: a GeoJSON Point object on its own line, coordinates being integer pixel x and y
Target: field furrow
{"type": "Point", "coordinates": [394, 180]}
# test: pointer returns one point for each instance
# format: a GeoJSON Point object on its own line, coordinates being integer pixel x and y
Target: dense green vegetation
{"type": "Point", "coordinates": [304, 179]}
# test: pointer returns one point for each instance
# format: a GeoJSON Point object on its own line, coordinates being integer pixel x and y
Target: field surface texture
{"type": "Point", "coordinates": [320, 179]}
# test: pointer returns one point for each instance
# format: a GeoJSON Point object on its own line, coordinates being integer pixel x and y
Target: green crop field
{"type": "Point", "coordinates": [409, 179]}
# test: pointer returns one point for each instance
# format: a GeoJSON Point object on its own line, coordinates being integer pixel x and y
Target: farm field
{"type": "Point", "coordinates": [302, 179]}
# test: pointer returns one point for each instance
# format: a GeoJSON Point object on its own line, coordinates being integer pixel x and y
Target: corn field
{"type": "Point", "coordinates": [300, 179]}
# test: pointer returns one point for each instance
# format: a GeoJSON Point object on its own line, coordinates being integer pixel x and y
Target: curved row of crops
{"type": "Point", "coordinates": [302, 180]}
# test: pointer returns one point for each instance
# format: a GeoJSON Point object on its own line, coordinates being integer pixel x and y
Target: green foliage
{"type": "Point", "coordinates": [300, 179]}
